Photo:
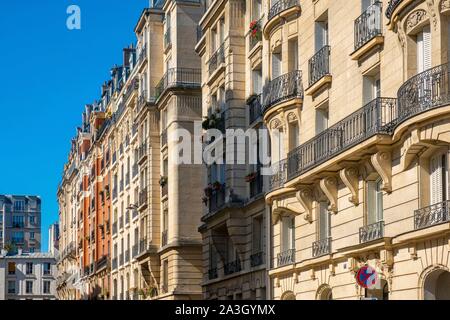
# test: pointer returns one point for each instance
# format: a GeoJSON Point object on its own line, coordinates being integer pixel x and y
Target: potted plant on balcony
{"type": "Point", "coordinates": [213, 121]}
{"type": "Point", "coordinates": [255, 30]}
{"type": "Point", "coordinates": [163, 181]}
{"type": "Point", "coordinates": [251, 177]}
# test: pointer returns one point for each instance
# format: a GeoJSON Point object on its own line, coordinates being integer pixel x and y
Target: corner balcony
{"type": "Point", "coordinates": [432, 215]}
{"type": "Point", "coordinates": [279, 10]}
{"type": "Point", "coordinates": [254, 108]}
{"type": "Point", "coordinates": [368, 31]}
{"type": "Point", "coordinates": [371, 232]}
{"type": "Point", "coordinates": [178, 78]}
{"type": "Point", "coordinates": [286, 258]}
{"type": "Point", "coordinates": [319, 70]}
{"type": "Point", "coordinates": [321, 247]}
{"type": "Point", "coordinates": [286, 89]}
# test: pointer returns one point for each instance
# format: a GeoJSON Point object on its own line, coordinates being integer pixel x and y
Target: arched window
{"type": "Point", "coordinates": [288, 295]}
{"type": "Point", "coordinates": [324, 293]}
{"type": "Point", "coordinates": [437, 285]}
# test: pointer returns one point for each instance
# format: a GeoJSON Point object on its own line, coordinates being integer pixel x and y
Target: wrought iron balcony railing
{"type": "Point", "coordinates": [319, 65]}
{"type": "Point", "coordinates": [371, 232]}
{"type": "Point", "coordinates": [280, 6]}
{"type": "Point", "coordinates": [216, 59]}
{"type": "Point", "coordinates": [321, 247]}
{"type": "Point", "coordinates": [374, 118]}
{"type": "Point", "coordinates": [283, 88]}
{"type": "Point", "coordinates": [432, 215]}
{"type": "Point", "coordinates": [232, 267]}
{"type": "Point", "coordinates": [178, 78]}
{"type": "Point", "coordinates": [368, 25]}
{"type": "Point", "coordinates": [286, 257]}
{"type": "Point", "coordinates": [213, 274]}
{"type": "Point", "coordinates": [255, 108]}
{"type": "Point", "coordinates": [217, 199]}
{"type": "Point", "coordinates": [391, 7]}
{"type": "Point", "coordinates": [257, 259]}
{"type": "Point", "coordinates": [279, 176]}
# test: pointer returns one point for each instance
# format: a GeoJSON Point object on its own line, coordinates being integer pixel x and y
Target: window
{"type": "Point", "coordinates": [165, 220]}
{"type": "Point", "coordinates": [29, 268]}
{"type": "Point", "coordinates": [256, 9]}
{"type": "Point", "coordinates": [321, 34]}
{"type": "Point", "coordinates": [217, 173]}
{"type": "Point", "coordinates": [321, 119]}
{"type": "Point", "coordinates": [324, 221]}
{"type": "Point", "coordinates": [19, 205]}
{"type": "Point", "coordinates": [29, 287]}
{"type": "Point", "coordinates": [371, 87]}
{"type": "Point", "coordinates": [32, 220]}
{"type": "Point", "coordinates": [374, 202]}
{"type": "Point", "coordinates": [31, 235]}
{"type": "Point", "coordinates": [165, 276]}
{"type": "Point", "coordinates": [11, 287]}
{"type": "Point", "coordinates": [222, 30]}
{"type": "Point", "coordinates": [438, 178]}
{"type": "Point", "coordinates": [18, 221]}
{"type": "Point", "coordinates": [258, 234]}
{"type": "Point", "coordinates": [288, 233]}
{"type": "Point", "coordinates": [257, 81]}
{"type": "Point", "coordinates": [11, 268]}
{"type": "Point", "coordinates": [277, 140]}
{"type": "Point", "coordinates": [46, 287]}
{"type": "Point", "coordinates": [276, 65]}
{"type": "Point", "coordinates": [47, 268]}
{"type": "Point", "coordinates": [424, 49]}
{"type": "Point", "coordinates": [294, 139]}
{"type": "Point", "coordinates": [293, 54]}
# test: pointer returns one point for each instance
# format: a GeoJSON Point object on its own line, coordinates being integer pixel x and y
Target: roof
{"type": "Point", "coordinates": [35, 255]}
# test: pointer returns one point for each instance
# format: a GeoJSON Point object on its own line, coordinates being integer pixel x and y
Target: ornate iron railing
{"type": "Point", "coordinates": [213, 274]}
{"type": "Point", "coordinates": [282, 88]}
{"type": "Point", "coordinates": [280, 6]}
{"type": "Point", "coordinates": [279, 175]}
{"type": "Point", "coordinates": [257, 259]}
{"type": "Point", "coordinates": [217, 199]}
{"type": "Point", "coordinates": [255, 108]}
{"type": "Point", "coordinates": [432, 215]}
{"type": "Point", "coordinates": [232, 267]}
{"type": "Point", "coordinates": [427, 90]}
{"type": "Point", "coordinates": [368, 25]}
{"type": "Point", "coordinates": [374, 118]}
{"type": "Point", "coordinates": [319, 65]}
{"type": "Point", "coordinates": [286, 257]}
{"type": "Point", "coordinates": [216, 59]}
{"type": "Point", "coordinates": [371, 232]}
{"type": "Point", "coordinates": [178, 78]}
{"type": "Point", "coordinates": [321, 247]}
{"type": "Point", "coordinates": [391, 7]}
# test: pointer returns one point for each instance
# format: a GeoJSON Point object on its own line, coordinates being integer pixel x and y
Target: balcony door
{"type": "Point", "coordinates": [276, 65]}
{"type": "Point", "coordinates": [321, 34]}
{"type": "Point", "coordinates": [374, 202]}
{"type": "Point", "coordinates": [438, 178]}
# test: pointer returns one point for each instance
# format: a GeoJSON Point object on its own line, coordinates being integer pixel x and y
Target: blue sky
{"type": "Point", "coordinates": [48, 74]}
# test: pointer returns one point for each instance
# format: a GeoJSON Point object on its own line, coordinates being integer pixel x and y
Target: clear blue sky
{"type": "Point", "coordinates": [48, 74]}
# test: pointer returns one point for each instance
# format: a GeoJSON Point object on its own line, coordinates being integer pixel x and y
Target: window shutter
{"type": "Point", "coordinates": [436, 180]}
{"type": "Point", "coordinates": [371, 202]}
{"type": "Point", "coordinates": [420, 51]}
{"type": "Point", "coordinates": [426, 48]}
{"type": "Point", "coordinates": [379, 197]}
{"type": "Point", "coordinates": [276, 65]}
{"type": "Point", "coordinates": [323, 221]}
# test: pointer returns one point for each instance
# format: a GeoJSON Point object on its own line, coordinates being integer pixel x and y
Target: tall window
{"type": "Point", "coordinates": [371, 87]}
{"type": "Point", "coordinates": [256, 9]}
{"type": "Point", "coordinates": [424, 49]}
{"type": "Point", "coordinates": [324, 221]}
{"type": "Point", "coordinates": [276, 64]}
{"type": "Point", "coordinates": [29, 287]}
{"type": "Point", "coordinates": [294, 139]}
{"type": "Point", "coordinates": [11, 268]}
{"type": "Point", "coordinates": [438, 178]}
{"type": "Point", "coordinates": [257, 81]}
{"type": "Point", "coordinates": [293, 55]}
{"type": "Point", "coordinates": [321, 34]}
{"type": "Point", "coordinates": [19, 205]}
{"type": "Point", "coordinates": [46, 287]}
{"type": "Point", "coordinates": [29, 268]}
{"type": "Point", "coordinates": [11, 287]}
{"type": "Point", "coordinates": [288, 233]}
{"type": "Point", "coordinates": [47, 268]}
{"type": "Point", "coordinates": [166, 275]}
{"type": "Point", "coordinates": [374, 202]}
{"type": "Point", "coordinates": [258, 234]}
{"type": "Point", "coordinates": [321, 119]}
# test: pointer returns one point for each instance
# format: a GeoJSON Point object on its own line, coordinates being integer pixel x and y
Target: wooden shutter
{"type": "Point", "coordinates": [436, 179]}
{"type": "Point", "coordinates": [276, 65]}
{"type": "Point", "coordinates": [426, 48]}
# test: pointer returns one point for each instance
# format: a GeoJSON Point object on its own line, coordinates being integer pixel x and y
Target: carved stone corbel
{"type": "Point", "coordinates": [305, 197]}
{"type": "Point", "coordinates": [350, 177]}
{"type": "Point", "coordinates": [382, 162]}
{"type": "Point", "coordinates": [329, 188]}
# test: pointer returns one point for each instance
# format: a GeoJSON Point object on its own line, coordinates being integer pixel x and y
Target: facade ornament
{"type": "Point", "coordinates": [415, 18]}
{"type": "Point", "coordinates": [305, 197]}
{"type": "Point", "coordinates": [292, 117]}
{"type": "Point", "coordinates": [382, 162]}
{"type": "Point", "coordinates": [275, 124]}
{"type": "Point", "coordinates": [433, 16]}
{"type": "Point", "coordinates": [445, 5]}
{"type": "Point", "coordinates": [350, 177]}
{"type": "Point", "coordinates": [332, 269]}
{"type": "Point", "coordinates": [329, 188]}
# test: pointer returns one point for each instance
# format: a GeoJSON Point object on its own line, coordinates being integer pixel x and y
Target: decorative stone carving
{"type": "Point", "coordinates": [433, 17]}
{"type": "Point", "coordinates": [382, 163]}
{"type": "Point", "coordinates": [279, 207]}
{"type": "Point", "coordinates": [445, 5]}
{"type": "Point", "coordinates": [415, 18]}
{"type": "Point", "coordinates": [350, 177]}
{"type": "Point", "coordinates": [275, 124]}
{"type": "Point", "coordinates": [329, 188]}
{"type": "Point", "coordinates": [292, 117]}
{"type": "Point", "coordinates": [305, 197]}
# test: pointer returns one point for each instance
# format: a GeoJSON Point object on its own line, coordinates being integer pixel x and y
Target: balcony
{"type": "Point", "coordinates": [102, 263]}
{"type": "Point", "coordinates": [319, 69]}
{"type": "Point", "coordinates": [216, 60]}
{"type": "Point", "coordinates": [143, 198]}
{"type": "Point", "coordinates": [217, 199]}
{"type": "Point", "coordinates": [368, 27]}
{"type": "Point", "coordinates": [257, 259]}
{"type": "Point", "coordinates": [183, 78]}
{"type": "Point", "coordinates": [232, 267]}
{"type": "Point", "coordinates": [374, 118]}
{"type": "Point", "coordinates": [286, 87]}
{"type": "Point", "coordinates": [371, 232]}
{"type": "Point", "coordinates": [432, 215]}
{"type": "Point", "coordinates": [286, 258]}
{"type": "Point", "coordinates": [393, 4]}
{"type": "Point", "coordinates": [321, 247]}
{"type": "Point", "coordinates": [135, 250]}
{"type": "Point", "coordinates": [254, 108]}
{"type": "Point", "coordinates": [279, 176]}
{"type": "Point", "coordinates": [213, 274]}
{"type": "Point", "coordinates": [278, 10]}
{"type": "Point", "coordinates": [164, 238]}
{"type": "Point", "coordinates": [167, 39]}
